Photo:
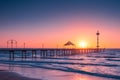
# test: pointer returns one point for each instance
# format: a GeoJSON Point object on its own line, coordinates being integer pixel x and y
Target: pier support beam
{"type": "Point", "coordinates": [34, 54]}
{"type": "Point", "coordinates": [24, 55]}
{"type": "Point", "coordinates": [11, 56]}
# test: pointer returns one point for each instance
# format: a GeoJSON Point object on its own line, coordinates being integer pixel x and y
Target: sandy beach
{"type": "Point", "coordinates": [6, 75]}
{"type": "Point", "coordinates": [102, 66]}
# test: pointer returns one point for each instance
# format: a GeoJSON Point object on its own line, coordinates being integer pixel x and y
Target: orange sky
{"type": "Point", "coordinates": [74, 30]}
{"type": "Point", "coordinates": [53, 23]}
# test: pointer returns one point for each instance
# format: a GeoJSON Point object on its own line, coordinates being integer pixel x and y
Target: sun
{"type": "Point", "coordinates": [83, 44]}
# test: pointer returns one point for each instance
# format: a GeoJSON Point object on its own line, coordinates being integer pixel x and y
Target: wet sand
{"type": "Point", "coordinates": [6, 75]}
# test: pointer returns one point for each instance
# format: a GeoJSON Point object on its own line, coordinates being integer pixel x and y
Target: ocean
{"type": "Point", "coordinates": [90, 66]}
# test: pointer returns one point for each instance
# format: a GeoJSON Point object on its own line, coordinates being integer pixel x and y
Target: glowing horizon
{"type": "Point", "coordinates": [55, 23]}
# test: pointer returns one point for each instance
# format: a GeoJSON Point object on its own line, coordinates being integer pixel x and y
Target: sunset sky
{"type": "Point", "coordinates": [54, 22]}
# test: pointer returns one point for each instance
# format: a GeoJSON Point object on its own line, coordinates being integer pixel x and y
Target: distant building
{"type": "Point", "coordinates": [69, 44]}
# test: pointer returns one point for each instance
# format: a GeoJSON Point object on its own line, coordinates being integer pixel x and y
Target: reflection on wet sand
{"type": "Point", "coordinates": [45, 74]}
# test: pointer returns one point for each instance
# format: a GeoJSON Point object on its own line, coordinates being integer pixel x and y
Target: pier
{"type": "Point", "coordinates": [46, 52]}
{"type": "Point", "coordinates": [24, 53]}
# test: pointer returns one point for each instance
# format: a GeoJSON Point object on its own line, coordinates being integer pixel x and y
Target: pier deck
{"type": "Point", "coordinates": [47, 52]}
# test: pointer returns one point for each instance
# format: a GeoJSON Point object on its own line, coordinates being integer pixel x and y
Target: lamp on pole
{"type": "Point", "coordinates": [98, 40]}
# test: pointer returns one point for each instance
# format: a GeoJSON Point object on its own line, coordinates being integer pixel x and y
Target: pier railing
{"type": "Point", "coordinates": [47, 52]}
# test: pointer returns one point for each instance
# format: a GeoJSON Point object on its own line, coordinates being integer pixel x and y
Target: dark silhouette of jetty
{"type": "Point", "coordinates": [46, 52]}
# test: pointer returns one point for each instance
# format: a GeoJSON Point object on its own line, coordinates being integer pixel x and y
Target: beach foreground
{"type": "Point", "coordinates": [93, 66]}
{"type": "Point", "coordinates": [6, 75]}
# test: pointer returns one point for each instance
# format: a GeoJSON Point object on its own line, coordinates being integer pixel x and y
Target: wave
{"type": "Point", "coordinates": [101, 65]}
{"type": "Point", "coordinates": [112, 60]}
{"type": "Point", "coordinates": [65, 69]}
{"type": "Point", "coordinates": [54, 62]}
{"type": "Point", "coordinates": [51, 66]}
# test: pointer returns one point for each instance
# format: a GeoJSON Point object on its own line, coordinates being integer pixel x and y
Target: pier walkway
{"type": "Point", "coordinates": [46, 52]}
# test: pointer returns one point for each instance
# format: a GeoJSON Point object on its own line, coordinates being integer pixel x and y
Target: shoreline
{"type": "Point", "coordinates": [13, 76]}
{"type": "Point", "coordinates": [85, 67]}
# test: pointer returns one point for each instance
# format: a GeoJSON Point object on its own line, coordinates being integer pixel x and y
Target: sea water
{"type": "Point", "coordinates": [89, 66]}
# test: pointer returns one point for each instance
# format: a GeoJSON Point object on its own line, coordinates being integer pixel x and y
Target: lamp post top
{"type": "Point", "coordinates": [97, 33]}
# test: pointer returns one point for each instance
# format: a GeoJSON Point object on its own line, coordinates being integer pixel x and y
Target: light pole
{"type": "Point", "coordinates": [97, 40]}
{"type": "Point", "coordinates": [24, 44]}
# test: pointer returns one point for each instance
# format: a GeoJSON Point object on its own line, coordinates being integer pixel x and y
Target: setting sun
{"type": "Point", "coordinates": [83, 44]}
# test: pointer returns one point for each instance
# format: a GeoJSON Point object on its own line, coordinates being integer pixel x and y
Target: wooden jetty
{"type": "Point", "coordinates": [47, 52]}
